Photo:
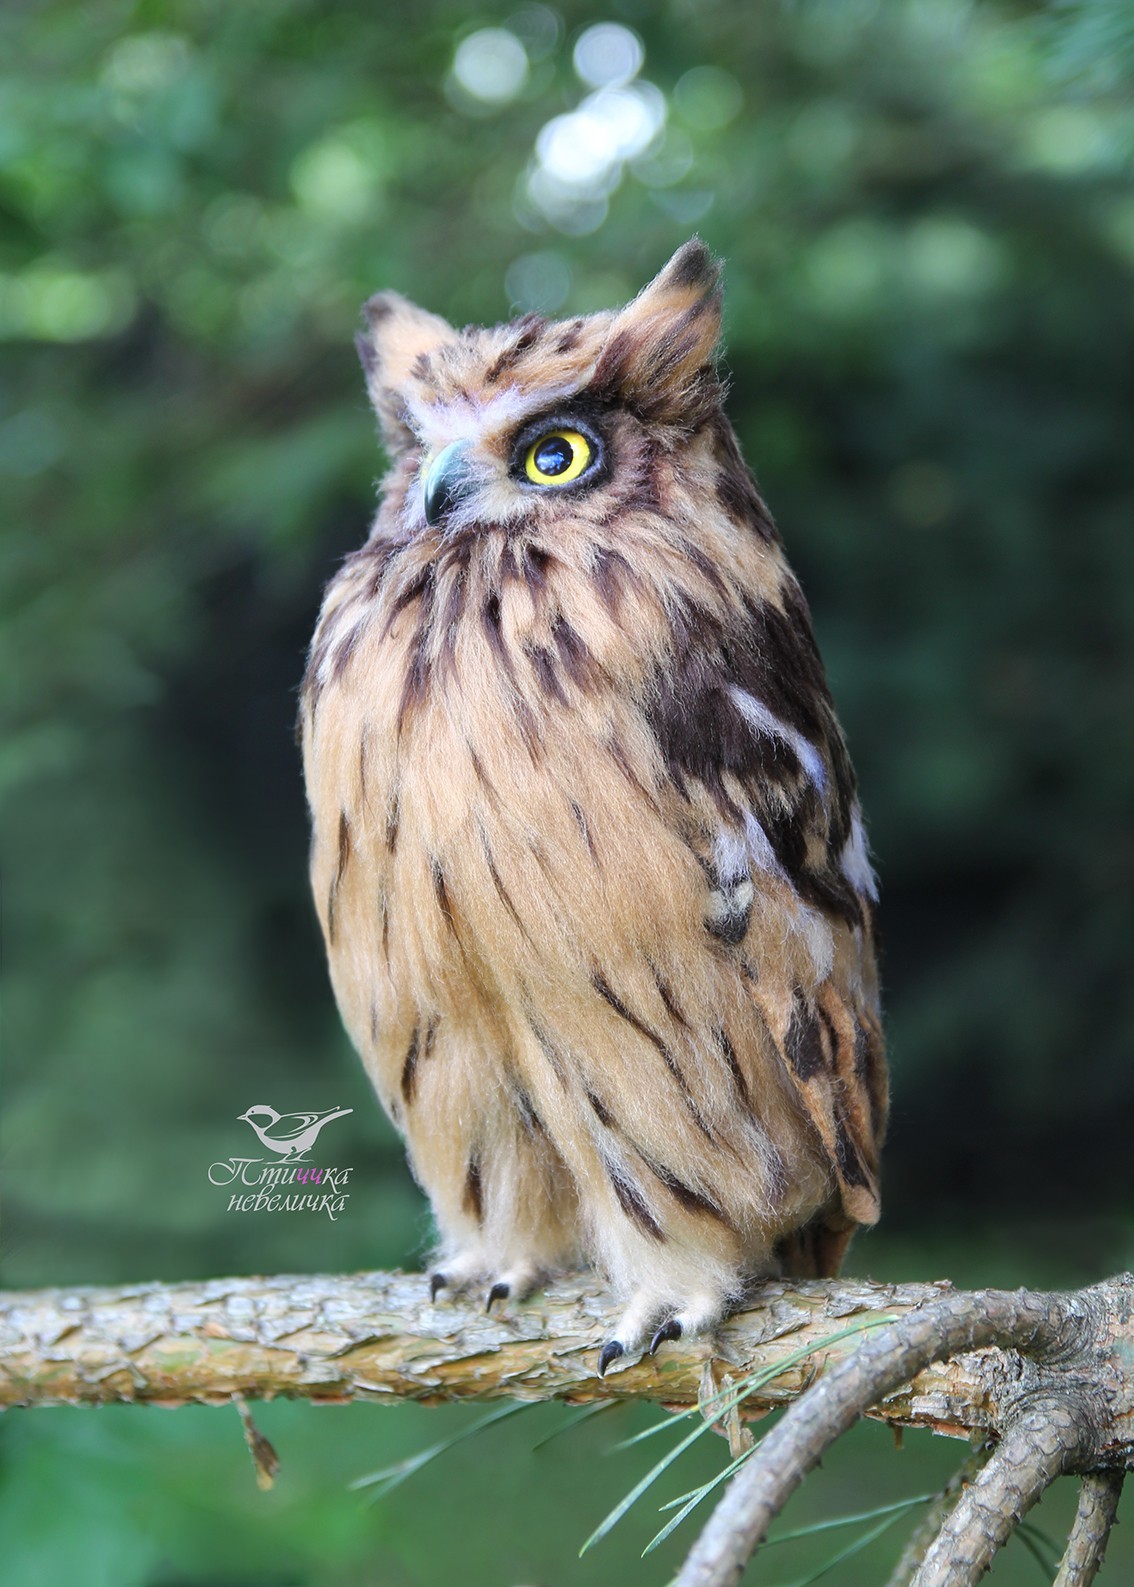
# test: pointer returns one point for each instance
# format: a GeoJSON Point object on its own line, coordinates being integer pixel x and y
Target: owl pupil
{"type": "Point", "coordinates": [554, 455]}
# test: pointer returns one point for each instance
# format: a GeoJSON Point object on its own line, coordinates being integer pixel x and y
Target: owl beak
{"type": "Point", "coordinates": [447, 479]}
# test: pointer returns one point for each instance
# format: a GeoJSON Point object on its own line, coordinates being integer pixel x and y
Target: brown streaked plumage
{"type": "Point", "coordinates": [587, 854]}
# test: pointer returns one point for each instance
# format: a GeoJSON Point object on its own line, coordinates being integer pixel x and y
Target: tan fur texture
{"type": "Point", "coordinates": [586, 851]}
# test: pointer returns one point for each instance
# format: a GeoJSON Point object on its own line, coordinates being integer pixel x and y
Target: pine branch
{"type": "Point", "coordinates": [1098, 1506]}
{"type": "Point", "coordinates": [378, 1336]}
{"type": "Point", "coordinates": [935, 1517]}
{"type": "Point", "coordinates": [1061, 1398]}
{"type": "Point", "coordinates": [1047, 1438]}
{"type": "Point", "coordinates": [1049, 1379]}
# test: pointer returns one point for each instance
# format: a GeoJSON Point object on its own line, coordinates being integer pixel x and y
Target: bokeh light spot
{"type": "Point", "coordinates": [708, 98]}
{"type": "Point", "coordinates": [608, 55]}
{"type": "Point", "coordinates": [491, 65]}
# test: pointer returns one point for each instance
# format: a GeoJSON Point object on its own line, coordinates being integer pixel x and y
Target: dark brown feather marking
{"type": "Point", "coordinates": [393, 817]}
{"type": "Point", "coordinates": [581, 822]}
{"type": "Point", "coordinates": [692, 1200]}
{"type": "Point", "coordinates": [847, 1158]}
{"type": "Point", "coordinates": [736, 488]}
{"type": "Point", "coordinates": [632, 1202]}
{"type": "Point", "coordinates": [531, 328]}
{"type": "Point", "coordinates": [529, 1118]}
{"type": "Point", "coordinates": [365, 734]}
{"type": "Point", "coordinates": [409, 1070]}
{"type": "Point", "coordinates": [612, 576]}
{"type": "Point", "coordinates": [473, 1197]}
{"type": "Point", "coordinates": [728, 1053]}
{"type": "Point", "coordinates": [478, 767]}
{"type": "Point", "coordinates": [341, 864]}
{"type": "Point", "coordinates": [415, 684]}
{"type": "Point", "coordinates": [581, 667]}
{"type": "Point", "coordinates": [441, 892]}
{"type": "Point", "coordinates": [668, 997]}
{"type": "Point", "coordinates": [609, 996]}
{"type": "Point", "coordinates": [569, 337]}
{"type": "Point", "coordinates": [618, 756]}
{"type": "Point", "coordinates": [547, 674]}
{"type": "Point", "coordinates": [604, 990]}
{"type": "Point", "coordinates": [547, 1047]}
{"type": "Point", "coordinates": [501, 891]}
{"type": "Point", "coordinates": [345, 649]}
{"type": "Point", "coordinates": [803, 1043]}
{"type": "Point", "coordinates": [601, 1111]}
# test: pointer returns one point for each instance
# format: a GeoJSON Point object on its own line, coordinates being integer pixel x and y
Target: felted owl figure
{"type": "Point", "coordinates": [586, 851]}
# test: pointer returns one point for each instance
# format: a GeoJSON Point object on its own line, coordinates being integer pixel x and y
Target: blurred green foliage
{"type": "Point", "coordinates": [928, 224]}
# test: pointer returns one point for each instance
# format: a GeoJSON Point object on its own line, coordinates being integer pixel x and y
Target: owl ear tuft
{"type": "Point", "coordinates": [393, 348]}
{"type": "Point", "coordinates": [660, 352]}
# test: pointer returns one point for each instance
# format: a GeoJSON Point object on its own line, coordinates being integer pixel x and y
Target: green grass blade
{"type": "Point", "coordinates": [390, 1477]}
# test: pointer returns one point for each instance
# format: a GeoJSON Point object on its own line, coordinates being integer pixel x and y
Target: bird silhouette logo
{"type": "Point", "coordinates": [292, 1135]}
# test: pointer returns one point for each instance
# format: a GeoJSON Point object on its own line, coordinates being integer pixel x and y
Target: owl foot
{"type": "Point", "coordinates": [470, 1270]}
{"type": "Point", "coordinates": [639, 1326]}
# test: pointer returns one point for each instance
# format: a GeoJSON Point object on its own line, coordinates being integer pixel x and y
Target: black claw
{"type": "Point", "coordinates": [668, 1330]}
{"type": "Point", "coordinates": [610, 1351]}
{"type": "Point", "coordinates": [499, 1291]}
{"type": "Point", "coordinates": [437, 1281]}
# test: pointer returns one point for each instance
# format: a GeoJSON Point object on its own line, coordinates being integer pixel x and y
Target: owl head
{"type": "Point", "coordinates": [541, 422]}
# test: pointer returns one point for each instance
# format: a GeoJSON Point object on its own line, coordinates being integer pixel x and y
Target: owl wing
{"type": "Point", "coordinates": [753, 750]}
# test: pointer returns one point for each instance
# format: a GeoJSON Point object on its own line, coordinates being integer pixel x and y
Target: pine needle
{"type": "Point", "coordinates": [740, 1388]}
{"type": "Point", "coordinates": [583, 1416]}
{"type": "Point", "coordinates": [391, 1477]}
{"type": "Point", "coordinates": [1038, 1544]}
{"type": "Point", "coordinates": [712, 1410]}
{"type": "Point", "coordinates": [847, 1553]}
{"type": "Point", "coordinates": [691, 1501]}
{"type": "Point", "coordinates": [850, 1520]}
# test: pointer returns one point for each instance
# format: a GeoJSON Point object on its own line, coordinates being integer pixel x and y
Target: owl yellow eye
{"type": "Point", "coordinates": [557, 457]}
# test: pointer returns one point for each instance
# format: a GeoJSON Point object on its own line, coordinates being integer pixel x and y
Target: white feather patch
{"type": "Point", "coordinates": [756, 713]}
{"type": "Point", "coordinates": [854, 862]}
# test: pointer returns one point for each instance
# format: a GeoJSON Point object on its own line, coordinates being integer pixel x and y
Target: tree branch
{"type": "Point", "coordinates": [1069, 1358]}
{"type": "Point", "coordinates": [1098, 1506]}
{"type": "Point", "coordinates": [1044, 1440]}
{"type": "Point", "coordinates": [377, 1336]}
{"type": "Point", "coordinates": [935, 1517]}
{"type": "Point", "coordinates": [1050, 1376]}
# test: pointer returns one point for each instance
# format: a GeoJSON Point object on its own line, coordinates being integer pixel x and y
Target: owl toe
{"type": "Point", "coordinates": [499, 1291]}
{"type": "Point", "coordinates": [652, 1320]}
{"type": "Point", "coordinates": [611, 1352]}
{"type": "Point", "coordinates": [668, 1330]}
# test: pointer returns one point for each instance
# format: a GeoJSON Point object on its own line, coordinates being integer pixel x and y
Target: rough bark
{"type": "Point", "coordinates": [1047, 1380]}
{"type": "Point", "coordinates": [377, 1336]}
{"type": "Point", "coordinates": [1061, 1398]}
{"type": "Point", "coordinates": [1098, 1506]}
